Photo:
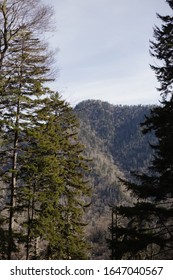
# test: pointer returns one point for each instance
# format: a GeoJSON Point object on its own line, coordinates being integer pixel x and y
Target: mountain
{"type": "Point", "coordinates": [113, 140]}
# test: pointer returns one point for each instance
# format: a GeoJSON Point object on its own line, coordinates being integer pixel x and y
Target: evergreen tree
{"type": "Point", "coordinates": [42, 167]}
{"type": "Point", "coordinates": [22, 69]}
{"type": "Point", "coordinates": [149, 230]}
{"type": "Point", "coordinates": [23, 77]}
{"type": "Point", "coordinates": [53, 185]}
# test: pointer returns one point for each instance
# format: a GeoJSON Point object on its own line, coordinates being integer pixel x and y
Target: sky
{"type": "Point", "coordinates": [103, 50]}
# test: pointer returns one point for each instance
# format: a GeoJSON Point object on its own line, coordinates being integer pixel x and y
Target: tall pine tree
{"type": "Point", "coordinates": [42, 168]}
{"type": "Point", "coordinates": [148, 228]}
{"type": "Point", "coordinates": [23, 77]}
{"type": "Point", "coordinates": [53, 177]}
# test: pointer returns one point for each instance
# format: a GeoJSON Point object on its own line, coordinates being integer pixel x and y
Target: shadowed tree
{"type": "Point", "coordinates": [149, 233]}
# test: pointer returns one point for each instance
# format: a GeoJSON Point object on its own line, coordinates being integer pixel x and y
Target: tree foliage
{"type": "Point", "coordinates": [42, 172]}
{"type": "Point", "coordinates": [149, 225]}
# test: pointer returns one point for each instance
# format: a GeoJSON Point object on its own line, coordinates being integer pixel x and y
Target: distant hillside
{"type": "Point", "coordinates": [118, 128]}
{"type": "Point", "coordinates": [113, 140]}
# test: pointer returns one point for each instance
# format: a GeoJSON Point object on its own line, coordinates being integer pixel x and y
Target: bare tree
{"type": "Point", "coordinates": [20, 15]}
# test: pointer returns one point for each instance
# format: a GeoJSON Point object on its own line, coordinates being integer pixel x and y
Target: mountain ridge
{"type": "Point", "coordinates": [114, 141]}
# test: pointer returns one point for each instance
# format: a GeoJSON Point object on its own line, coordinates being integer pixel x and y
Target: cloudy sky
{"type": "Point", "coordinates": [104, 49]}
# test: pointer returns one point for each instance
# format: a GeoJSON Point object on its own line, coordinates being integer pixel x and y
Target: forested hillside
{"type": "Point", "coordinates": [114, 142]}
{"type": "Point", "coordinates": [118, 128]}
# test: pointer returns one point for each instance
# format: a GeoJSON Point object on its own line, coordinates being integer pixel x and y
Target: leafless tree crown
{"type": "Point", "coordinates": [17, 16]}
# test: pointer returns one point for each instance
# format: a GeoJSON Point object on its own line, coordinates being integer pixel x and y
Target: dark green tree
{"type": "Point", "coordinates": [17, 22]}
{"type": "Point", "coordinates": [53, 177]}
{"type": "Point", "coordinates": [23, 78]}
{"type": "Point", "coordinates": [149, 230]}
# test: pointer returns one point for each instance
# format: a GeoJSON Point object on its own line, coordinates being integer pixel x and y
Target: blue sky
{"type": "Point", "coordinates": [104, 49]}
